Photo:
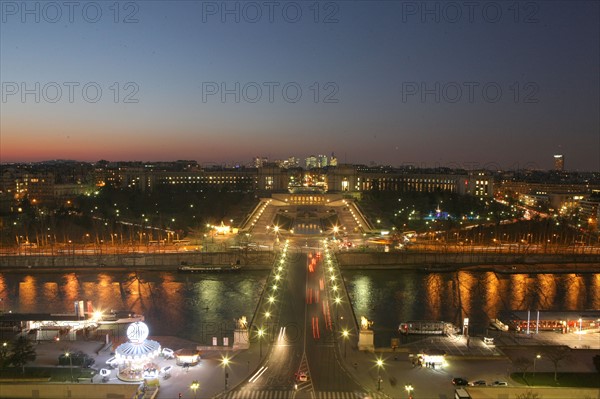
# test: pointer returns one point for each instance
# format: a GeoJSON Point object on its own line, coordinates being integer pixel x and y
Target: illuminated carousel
{"type": "Point", "coordinates": [136, 357]}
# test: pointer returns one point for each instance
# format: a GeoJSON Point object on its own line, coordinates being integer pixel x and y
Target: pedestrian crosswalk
{"type": "Point", "coordinates": [256, 394]}
{"type": "Point", "coordinates": [290, 394]}
{"type": "Point", "coordinates": [338, 395]}
{"type": "Point", "coordinates": [347, 395]}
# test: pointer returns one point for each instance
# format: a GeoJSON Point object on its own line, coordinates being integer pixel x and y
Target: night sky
{"type": "Point", "coordinates": [500, 84]}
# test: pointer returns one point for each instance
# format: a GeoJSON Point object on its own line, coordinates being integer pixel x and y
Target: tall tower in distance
{"type": "Point", "coordinates": [559, 163]}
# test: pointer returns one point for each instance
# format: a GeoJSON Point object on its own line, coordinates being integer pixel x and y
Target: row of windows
{"type": "Point", "coordinates": [307, 199]}
{"type": "Point", "coordinates": [207, 182]}
{"type": "Point", "coordinates": [404, 178]}
{"type": "Point", "coordinates": [405, 186]}
{"type": "Point", "coordinates": [188, 178]}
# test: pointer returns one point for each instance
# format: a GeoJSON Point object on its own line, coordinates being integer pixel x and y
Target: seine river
{"type": "Point", "coordinates": [200, 306]}
{"type": "Point", "coordinates": [390, 297]}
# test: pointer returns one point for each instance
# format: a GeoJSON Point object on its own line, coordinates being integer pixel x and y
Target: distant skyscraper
{"type": "Point", "coordinates": [311, 162]}
{"type": "Point", "coordinates": [322, 161]}
{"type": "Point", "coordinates": [559, 163]}
{"type": "Point", "coordinates": [333, 161]}
{"type": "Point", "coordinates": [259, 162]}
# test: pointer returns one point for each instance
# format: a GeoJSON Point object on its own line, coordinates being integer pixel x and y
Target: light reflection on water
{"type": "Point", "coordinates": [493, 303]}
{"type": "Point", "coordinates": [547, 290]}
{"type": "Point", "coordinates": [433, 298]}
{"type": "Point", "coordinates": [390, 297]}
{"type": "Point", "coordinates": [594, 301]}
{"type": "Point", "coordinates": [575, 292]}
{"type": "Point", "coordinates": [27, 294]}
{"type": "Point", "coordinates": [193, 306]}
{"type": "Point", "coordinates": [200, 306]}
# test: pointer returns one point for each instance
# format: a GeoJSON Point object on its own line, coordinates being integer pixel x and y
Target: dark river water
{"type": "Point", "coordinates": [200, 306]}
{"type": "Point", "coordinates": [390, 297]}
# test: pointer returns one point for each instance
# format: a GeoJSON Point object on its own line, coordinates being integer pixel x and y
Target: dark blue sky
{"type": "Point", "coordinates": [387, 81]}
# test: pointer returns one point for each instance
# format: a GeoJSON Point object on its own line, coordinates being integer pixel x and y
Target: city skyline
{"type": "Point", "coordinates": [317, 160]}
{"type": "Point", "coordinates": [221, 82]}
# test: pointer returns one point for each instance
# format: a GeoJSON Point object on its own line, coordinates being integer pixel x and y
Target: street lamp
{"type": "Point", "coordinates": [409, 389]}
{"type": "Point", "coordinates": [379, 363]}
{"type": "Point", "coordinates": [337, 302]}
{"type": "Point", "coordinates": [534, 360]}
{"type": "Point", "coordinates": [67, 354]}
{"type": "Point", "coordinates": [261, 332]}
{"type": "Point", "coordinates": [345, 334]}
{"type": "Point", "coordinates": [194, 387]}
{"type": "Point", "coordinates": [225, 363]}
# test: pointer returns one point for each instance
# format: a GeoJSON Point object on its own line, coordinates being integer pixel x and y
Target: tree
{"type": "Point", "coordinates": [4, 355]}
{"type": "Point", "coordinates": [596, 360]}
{"type": "Point", "coordinates": [556, 354]}
{"type": "Point", "coordinates": [523, 364]}
{"type": "Point", "coordinates": [22, 352]}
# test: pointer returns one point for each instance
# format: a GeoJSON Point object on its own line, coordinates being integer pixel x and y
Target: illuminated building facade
{"type": "Point", "coordinates": [349, 178]}
{"type": "Point", "coordinates": [559, 163]}
{"type": "Point", "coordinates": [342, 178]}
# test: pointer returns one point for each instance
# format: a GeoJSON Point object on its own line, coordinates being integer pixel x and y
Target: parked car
{"type": "Point", "coordinates": [478, 383]}
{"type": "Point", "coordinates": [166, 370]}
{"type": "Point", "coordinates": [112, 362]}
{"type": "Point", "coordinates": [150, 373]}
{"type": "Point", "coordinates": [459, 381]}
{"type": "Point", "coordinates": [499, 384]}
{"type": "Point", "coordinates": [498, 325]}
{"type": "Point", "coordinates": [168, 353]}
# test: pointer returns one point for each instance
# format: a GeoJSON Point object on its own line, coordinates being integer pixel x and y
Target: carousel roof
{"type": "Point", "coordinates": [143, 350]}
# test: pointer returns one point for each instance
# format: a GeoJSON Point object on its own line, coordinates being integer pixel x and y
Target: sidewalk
{"type": "Point", "coordinates": [209, 372]}
{"type": "Point", "coordinates": [397, 372]}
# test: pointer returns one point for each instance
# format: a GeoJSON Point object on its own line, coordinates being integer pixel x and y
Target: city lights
{"type": "Point", "coordinates": [349, 184]}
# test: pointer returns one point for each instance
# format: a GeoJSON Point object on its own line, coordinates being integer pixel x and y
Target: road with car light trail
{"type": "Point", "coordinates": [297, 317]}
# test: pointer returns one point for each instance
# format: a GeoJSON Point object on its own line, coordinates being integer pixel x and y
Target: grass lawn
{"type": "Point", "coordinates": [55, 374]}
{"type": "Point", "coordinates": [580, 380]}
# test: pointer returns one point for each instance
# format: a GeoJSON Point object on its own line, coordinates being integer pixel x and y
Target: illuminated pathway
{"type": "Point", "coordinates": [297, 317]}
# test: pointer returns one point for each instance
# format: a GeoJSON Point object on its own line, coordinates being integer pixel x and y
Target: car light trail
{"type": "Point", "coordinates": [315, 327]}
{"type": "Point", "coordinates": [281, 336]}
{"type": "Point", "coordinates": [257, 375]}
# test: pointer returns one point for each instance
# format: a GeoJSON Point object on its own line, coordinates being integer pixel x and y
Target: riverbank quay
{"type": "Point", "coordinates": [258, 260]}
{"type": "Point", "coordinates": [448, 262]}
{"type": "Point", "coordinates": [389, 372]}
{"type": "Point", "coordinates": [472, 359]}
{"type": "Point", "coordinates": [263, 260]}
{"type": "Point", "coordinates": [213, 377]}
